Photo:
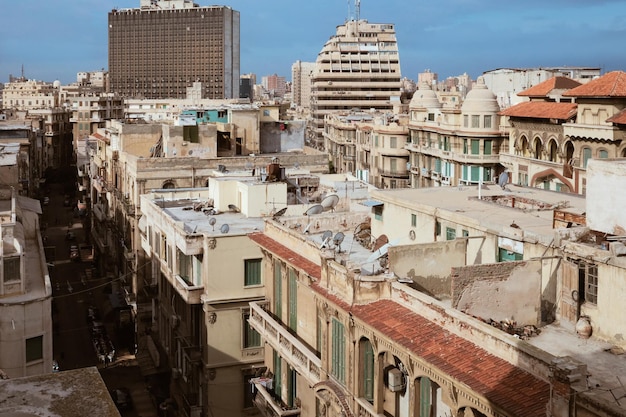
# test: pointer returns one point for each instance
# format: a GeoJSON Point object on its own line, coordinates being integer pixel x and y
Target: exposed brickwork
{"type": "Point", "coordinates": [464, 275]}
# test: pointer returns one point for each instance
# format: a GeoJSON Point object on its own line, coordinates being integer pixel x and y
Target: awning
{"type": "Point", "coordinates": [372, 203]}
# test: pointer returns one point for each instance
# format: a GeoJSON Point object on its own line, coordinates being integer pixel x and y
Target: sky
{"type": "Point", "coordinates": [56, 39]}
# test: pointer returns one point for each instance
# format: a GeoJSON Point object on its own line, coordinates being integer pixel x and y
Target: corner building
{"type": "Point", "coordinates": [162, 48]}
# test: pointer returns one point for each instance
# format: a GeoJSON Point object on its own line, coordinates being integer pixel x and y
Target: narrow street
{"type": "Point", "coordinates": [77, 286]}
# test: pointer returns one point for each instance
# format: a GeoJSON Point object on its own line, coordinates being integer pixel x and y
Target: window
{"type": "Point", "coordinates": [437, 228]}
{"type": "Point", "coordinates": [465, 146]}
{"type": "Point", "coordinates": [465, 120]}
{"type": "Point", "coordinates": [431, 117]}
{"type": "Point", "coordinates": [393, 166]}
{"type": "Point", "coordinates": [252, 272]}
{"type": "Point", "coordinates": [251, 338]}
{"type": "Point", "coordinates": [34, 349]}
{"type": "Point", "coordinates": [487, 121]}
{"type": "Point", "coordinates": [393, 142]}
{"type": "Point", "coordinates": [475, 121]}
{"type": "Point", "coordinates": [588, 273]}
{"type": "Point", "coordinates": [266, 112]}
{"type": "Point", "coordinates": [487, 150]}
{"type": "Point", "coordinates": [11, 269]}
{"type": "Point", "coordinates": [425, 397]}
{"type": "Point", "coordinates": [367, 379]}
{"type": "Point", "coordinates": [378, 213]}
{"type": "Point", "coordinates": [586, 156]}
{"type": "Point", "coordinates": [413, 220]}
{"type": "Point", "coordinates": [248, 397]}
{"type": "Point", "coordinates": [277, 373]}
{"type": "Point", "coordinates": [293, 300]}
{"type": "Point", "coordinates": [465, 233]}
{"type": "Point", "coordinates": [278, 289]}
{"type": "Point", "coordinates": [603, 154]}
{"type": "Point", "coordinates": [475, 146]}
{"type": "Point", "coordinates": [338, 365]}
{"type": "Point", "coordinates": [450, 233]}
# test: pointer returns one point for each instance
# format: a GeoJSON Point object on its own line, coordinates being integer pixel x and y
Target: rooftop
{"type": "Point", "coordinates": [542, 110]}
{"type": "Point", "coordinates": [612, 84]}
{"type": "Point", "coordinates": [73, 393]}
{"type": "Point", "coordinates": [545, 88]}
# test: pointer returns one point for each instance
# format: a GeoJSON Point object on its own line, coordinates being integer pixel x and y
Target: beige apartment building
{"type": "Point", "coordinates": [150, 49]}
{"type": "Point", "coordinates": [482, 302]}
{"type": "Point", "coordinates": [24, 94]}
{"type": "Point", "coordinates": [25, 288]}
{"type": "Point", "coordinates": [90, 112]}
{"type": "Point", "coordinates": [563, 126]}
{"type": "Point", "coordinates": [358, 67]}
{"type": "Point", "coordinates": [301, 77]}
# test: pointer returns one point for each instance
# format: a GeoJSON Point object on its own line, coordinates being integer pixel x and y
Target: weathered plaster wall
{"type": "Point", "coordinates": [605, 204]}
{"type": "Point", "coordinates": [503, 291]}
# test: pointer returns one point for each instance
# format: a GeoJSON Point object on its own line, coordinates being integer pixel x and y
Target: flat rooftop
{"type": "Point", "coordinates": [73, 393]}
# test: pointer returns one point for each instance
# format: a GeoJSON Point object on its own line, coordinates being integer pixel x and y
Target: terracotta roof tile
{"type": "Point", "coordinates": [542, 110]}
{"type": "Point", "coordinates": [505, 385]}
{"type": "Point", "coordinates": [544, 88]}
{"type": "Point", "coordinates": [611, 84]}
{"type": "Point", "coordinates": [619, 118]}
{"type": "Point", "coordinates": [286, 254]}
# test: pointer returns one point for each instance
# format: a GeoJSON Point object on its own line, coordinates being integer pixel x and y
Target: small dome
{"type": "Point", "coordinates": [56, 84]}
{"type": "Point", "coordinates": [480, 100]}
{"type": "Point", "coordinates": [425, 97]}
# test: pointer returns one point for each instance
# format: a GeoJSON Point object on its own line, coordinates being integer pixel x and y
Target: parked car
{"type": "Point", "coordinates": [122, 399]}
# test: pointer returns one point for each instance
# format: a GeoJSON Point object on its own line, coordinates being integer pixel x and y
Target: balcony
{"type": "Point", "coordinates": [266, 403]}
{"type": "Point", "coordinates": [394, 174]}
{"type": "Point", "coordinates": [300, 357]}
{"type": "Point", "coordinates": [365, 409]}
{"type": "Point", "coordinates": [190, 293]}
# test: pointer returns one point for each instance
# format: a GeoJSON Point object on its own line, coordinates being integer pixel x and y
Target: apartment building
{"type": "Point", "coordinates": [430, 307]}
{"type": "Point", "coordinates": [275, 85]}
{"type": "Point", "coordinates": [150, 49]}
{"type": "Point", "coordinates": [563, 126]}
{"type": "Point", "coordinates": [25, 287]}
{"type": "Point", "coordinates": [23, 94]}
{"type": "Point", "coordinates": [23, 156]}
{"type": "Point", "coordinates": [455, 144]}
{"type": "Point", "coordinates": [370, 145]}
{"type": "Point", "coordinates": [301, 76]}
{"type": "Point", "coordinates": [358, 67]}
{"type": "Point", "coordinates": [90, 112]}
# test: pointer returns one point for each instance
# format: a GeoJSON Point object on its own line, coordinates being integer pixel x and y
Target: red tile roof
{"type": "Point", "coordinates": [612, 84]}
{"type": "Point", "coordinates": [542, 110]}
{"type": "Point", "coordinates": [619, 118]}
{"type": "Point", "coordinates": [544, 88]}
{"type": "Point", "coordinates": [286, 254]}
{"type": "Point", "coordinates": [506, 386]}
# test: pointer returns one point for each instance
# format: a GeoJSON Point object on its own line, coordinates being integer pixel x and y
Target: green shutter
{"type": "Point", "coordinates": [277, 374]}
{"type": "Point", "coordinates": [425, 397]}
{"type": "Point", "coordinates": [487, 150]}
{"type": "Point", "coordinates": [368, 371]}
{"type": "Point", "coordinates": [252, 272]}
{"type": "Point", "coordinates": [338, 351]}
{"type": "Point", "coordinates": [475, 146]}
{"type": "Point", "coordinates": [293, 300]}
{"type": "Point", "coordinates": [278, 289]}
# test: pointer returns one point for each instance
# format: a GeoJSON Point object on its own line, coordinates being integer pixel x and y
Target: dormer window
{"type": "Point", "coordinates": [11, 269]}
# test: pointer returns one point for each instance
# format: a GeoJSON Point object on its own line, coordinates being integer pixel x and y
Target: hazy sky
{"type": "Point", "coordinates": [56, 39]}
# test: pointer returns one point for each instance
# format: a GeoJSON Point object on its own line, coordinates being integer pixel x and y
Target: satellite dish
{"type": "Point", "coordinates": [337, 240]}
{"type": "Point", "coordinates": [296, 165]}
{"type": "Point", "coordinates": [280, 212]}
{"type": "Point", "coordinates": [233, 208]}
{"type": "Point", "coordinates": [212, 222]}
{"type": "Point", "coordinates": [503, 180]}
{"type": "Point", "coordinates": [225, 228]}
{"type": "Point", "coordinates": [330, 202]}
{"type": "Point", "coordinates": [327, 234]}
{"type": "Point", "coordinates": [316, 209]}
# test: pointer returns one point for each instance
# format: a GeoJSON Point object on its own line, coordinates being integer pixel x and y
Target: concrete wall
{"type": "Point", "coordinates": [429, 264]}
{"type": "Point", "coordinates": [605, 202]}
{"type": "Point", "coordinates": [290, 137]}
{"type": "Point", "coordinates": [503, 291]}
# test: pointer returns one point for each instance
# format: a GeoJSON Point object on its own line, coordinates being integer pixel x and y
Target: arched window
{"type": "Point", "coordinates": [553, 150]}
{"type": "Point", "coordinates": [168, 185]}
{"type": "Point", "coordinates": [537, 148]}
{"type": "Point", "coordinates": [603, 154]}
{"type": "Point", "coordinates": [586, 156]}
{"type": "Point", "coordinates": [523, 146]}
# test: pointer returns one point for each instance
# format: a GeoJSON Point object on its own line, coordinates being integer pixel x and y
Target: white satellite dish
{"type": "Point", "coordinates": [330, 202]}
{"type": "Point", "coordinates": [326, 236]}
{"type": "Point", "coordinates": [337, 240]}
{"type": "Point", "coordinates": [225, 228]}
{"type": "Point", "coordinates": [316, 209]}
{"type": "Point", "coordinates": [212, 222]}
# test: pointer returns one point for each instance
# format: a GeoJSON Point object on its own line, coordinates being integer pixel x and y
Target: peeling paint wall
{"type": "Point", "coordinates": [502, 291]}
{"type": "Point", "coordinates": [429, 264]}
{"type": "Point", "coordinates": [282, 136]}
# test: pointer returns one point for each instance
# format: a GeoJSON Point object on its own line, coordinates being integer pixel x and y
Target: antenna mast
{"type": "Point", "coordinates": [357, 9]}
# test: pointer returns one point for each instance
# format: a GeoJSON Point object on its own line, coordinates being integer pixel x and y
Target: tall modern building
{"type": "Point", "coordinates": [163, 47]}
{"type": "Point", "coordinates": [358, 67]}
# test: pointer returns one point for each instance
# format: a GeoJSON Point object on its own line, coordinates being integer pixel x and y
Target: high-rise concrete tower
{"type": "Point", "coordinates": [358, 67]}
{"type": "Point", "coordinates": [163, 47]}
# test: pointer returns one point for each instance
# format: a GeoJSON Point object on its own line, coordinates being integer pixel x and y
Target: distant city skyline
{"type": "Point", "coordinates": [56, 40]}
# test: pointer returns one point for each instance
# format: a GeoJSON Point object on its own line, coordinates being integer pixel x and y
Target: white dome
{"type": "Point", "coordinates": [480, 100]}
{"type": "Point", "coordinates": [425, 97]}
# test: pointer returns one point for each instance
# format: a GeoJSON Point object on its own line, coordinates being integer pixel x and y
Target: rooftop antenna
{"type": "Point", "coordinates": [357, 9]}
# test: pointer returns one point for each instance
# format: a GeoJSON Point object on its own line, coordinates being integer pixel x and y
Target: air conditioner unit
{"type": "Point", "coordinates": [395, 380]}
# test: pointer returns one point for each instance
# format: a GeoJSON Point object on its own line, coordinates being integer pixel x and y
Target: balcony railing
{"type": "Point", "coordinates": [365, 409]}
{"type": "Point", "coordinates": [267, 404]}
{"type": "Point", "coordinates": [299, 356]}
